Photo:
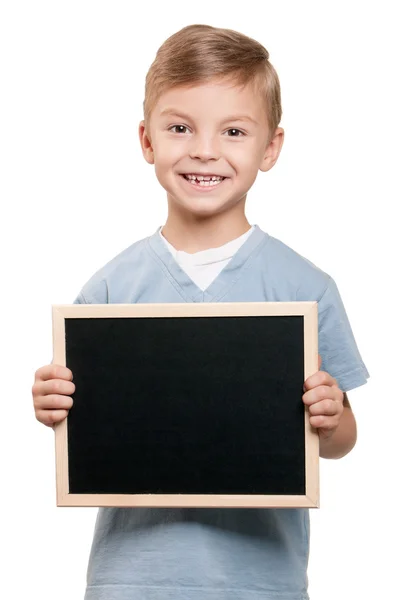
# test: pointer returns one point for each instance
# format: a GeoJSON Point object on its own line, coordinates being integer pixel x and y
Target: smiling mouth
{"type": "Point", "coordinates": [204, 181]}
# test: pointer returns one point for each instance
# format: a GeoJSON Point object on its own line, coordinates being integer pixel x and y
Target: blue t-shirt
{"type": "Point", "coordinates": [215, 554]}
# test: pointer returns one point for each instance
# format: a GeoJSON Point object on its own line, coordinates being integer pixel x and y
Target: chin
{"type": "Point", "coordinates": [203, 209]}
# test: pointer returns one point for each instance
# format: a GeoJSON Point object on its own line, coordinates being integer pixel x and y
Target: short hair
{"type": "Point", "coordinates": [201, 53]}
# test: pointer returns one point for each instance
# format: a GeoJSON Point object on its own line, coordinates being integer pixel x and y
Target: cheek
{"type": "Point", "coordinates": [246, 157]}
{"type": "Point", "coordinates": [248, 168]}
{"type": "Point", "coordinates": [166, 155]}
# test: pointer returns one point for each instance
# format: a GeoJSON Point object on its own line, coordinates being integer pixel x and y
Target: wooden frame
{"type": "Point", "coordinates": [309, 312]}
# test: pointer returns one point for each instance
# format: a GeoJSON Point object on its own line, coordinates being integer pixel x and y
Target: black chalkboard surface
{"type": "Point", "coordinates": [187, 405]}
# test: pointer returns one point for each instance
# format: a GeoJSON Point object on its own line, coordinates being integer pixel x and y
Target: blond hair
{"type": "Point", "coordinates": [199, 53]}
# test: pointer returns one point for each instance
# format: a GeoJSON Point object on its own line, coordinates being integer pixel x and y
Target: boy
{"type": "Point", "coordinates": [211, 114]}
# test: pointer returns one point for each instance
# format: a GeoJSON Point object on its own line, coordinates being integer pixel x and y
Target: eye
{"type": "Point", "coordinates": [178, 127]}
{"type": "Point", "coordinates": [236, 132]}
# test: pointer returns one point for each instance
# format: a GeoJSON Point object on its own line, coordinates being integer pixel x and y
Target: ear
{"type": "Point", "coordinates": [273, 150]}
{"type": "Point", "coordinates": [145, 142]}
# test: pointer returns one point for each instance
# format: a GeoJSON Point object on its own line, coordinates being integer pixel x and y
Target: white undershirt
{"type": "Point", "coordinates": [203, 267]}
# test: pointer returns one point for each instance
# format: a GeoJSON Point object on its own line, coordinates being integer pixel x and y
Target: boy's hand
{"type": "Point", "coordinates": [51, 394]}
{"type": "Point", "coordinates": [325, 401]}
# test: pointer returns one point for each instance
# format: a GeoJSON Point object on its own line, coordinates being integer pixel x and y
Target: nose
{"type": "Point", "coordinates": [204, 147]}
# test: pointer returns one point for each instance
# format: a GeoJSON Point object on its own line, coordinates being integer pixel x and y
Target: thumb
{"type": "Point", "coordinates": [319, 362]}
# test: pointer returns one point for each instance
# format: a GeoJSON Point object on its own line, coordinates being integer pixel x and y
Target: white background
{"type": "Point", "coordinates": [75, 191]}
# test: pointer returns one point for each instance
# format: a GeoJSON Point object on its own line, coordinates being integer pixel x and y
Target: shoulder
{"type": "Point", "coordinates": [113, 273]}
{"type": "Point", "coordinates": [305, 280]}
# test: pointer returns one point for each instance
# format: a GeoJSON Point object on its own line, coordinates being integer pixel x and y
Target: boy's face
{"type": "Point", "coordinates": [213, 129]}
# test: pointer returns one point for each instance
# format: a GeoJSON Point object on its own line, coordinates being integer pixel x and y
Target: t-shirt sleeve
{"type": "Point", "coordinates": [94, 292]}
{"type": "Point", "coordinates": [80, 299]}
{"type": "Point", "coordinates": [337, 345]}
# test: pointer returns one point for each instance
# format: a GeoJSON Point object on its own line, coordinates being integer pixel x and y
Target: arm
{"type": "Point", "coordinates": [344, 437]}
{"type": "Point", "coordinates": [330, 413]}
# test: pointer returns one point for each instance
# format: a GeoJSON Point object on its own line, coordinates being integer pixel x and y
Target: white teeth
{"type": "Point", "coordinates": [206, 183]}
{"type": "Point", "coordinates": [204, 178]}
{"type": "Point", "coordinates": [200, 181]}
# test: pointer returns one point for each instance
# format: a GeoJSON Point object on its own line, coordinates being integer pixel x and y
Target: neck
{"type": "Point", "coordinates": [191, 233]}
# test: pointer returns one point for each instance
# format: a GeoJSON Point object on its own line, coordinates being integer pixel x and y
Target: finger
{"type": "Point", "coordinates": [325, 407]}
{"type": "Point", "coordinates": [319, 362]}
{"type": "Point", "coordinates": [321, 392]}
{"type": "Point", "coordinates": [51, 417]}
{"type": "Point", "coordinates": [53, 402]}
{"type": "Point", "coordinates": [319, 378]}
{"type": "Point", "coordinates": [53, 372]}
{"type": "Point", "coordinates": [53, 386]}
{"type": "Point", "coordinates": [324, 422]}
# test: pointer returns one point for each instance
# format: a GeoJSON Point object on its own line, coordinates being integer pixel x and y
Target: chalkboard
{"type": "Point", "coordinates": [187, 405]}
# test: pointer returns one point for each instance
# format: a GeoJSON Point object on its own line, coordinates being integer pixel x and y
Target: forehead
{"type": "Point", "coordinates": [213, 99]}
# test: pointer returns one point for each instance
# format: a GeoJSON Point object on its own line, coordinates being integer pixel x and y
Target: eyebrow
{"type": "Point", "coordinates": [173, 112]}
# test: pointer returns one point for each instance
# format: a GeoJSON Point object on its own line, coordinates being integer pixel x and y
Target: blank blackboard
{"type": "Point", "coordinates": [187, 405]}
